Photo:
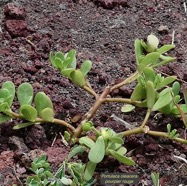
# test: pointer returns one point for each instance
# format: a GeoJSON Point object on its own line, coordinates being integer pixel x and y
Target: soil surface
{"type": "Point", "coordinates": [102, 31]}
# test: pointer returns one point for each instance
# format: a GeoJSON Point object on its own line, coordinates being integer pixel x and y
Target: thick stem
{"type": "Point", "coordinates": [127, 80]}
{"type": "Point", "coordinates": [146, 118]}
{"type": "Point", "coordinates": [92, 111]}
{"type": "Point", "coordinates": [121, 100]}
{"type": "Point", "coordinates": [90, 91]}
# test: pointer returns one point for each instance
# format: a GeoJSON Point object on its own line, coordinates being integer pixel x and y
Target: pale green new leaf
{"type": "Point", "coordinates": [127, 108]}
{"type": "Point", "coordinates": [59, 55]}
{"type": "Point", "coordinates": [97, 152]}
{"type": "Point", "coordinates": [86, 141]}
{"type": "Point", "coordinates": [85, 67]}
{"type": "Point", "coordinates": [25, 94]}
{"type": "Point", "coordinates": [122, 151]}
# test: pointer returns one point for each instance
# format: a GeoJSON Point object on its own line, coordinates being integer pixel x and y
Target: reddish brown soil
{"type": "Point", "coordinates": [104, 32]}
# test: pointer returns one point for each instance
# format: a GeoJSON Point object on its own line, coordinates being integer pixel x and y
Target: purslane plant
{"type": "Point", "coordinates": [153, 91]}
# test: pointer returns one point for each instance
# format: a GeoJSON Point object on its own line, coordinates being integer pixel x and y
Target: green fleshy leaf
{"type": "Point", "coordinates": [28, 112]}
{"type": "Point", "coordinates": [165, 60]}
{"type": "Point", "coordinates": [139, 93]}
{"type": "Point", "coordinates": [42, 101]}
{"type": "Point", "coordinates": [4, 93]}
{"type": "Point", "coordinates": [86, 141]}
{"type": "Point", "coordinates": [176, 88]}
{"type": "Point", "coordinates": [60, 55]}
{"type": "Point", "coordinates": [89, 171]}
{"type": "Point", "coordinates": [85, 67]}
{"type": "Point", "coordinates": [149, 74]}
{"type": "Point", "coordinates": [162, 101]}
{"type": "Point", "coordinates": [138, 50]}
{"type": "Point", "coordinates": [22, 125]}
{"type": "Point", "coordinates": [116, 139]}
{"type": "Point", "coordinates": [58, 63]}
{"type": "Point", "coordinates": [121, 150]}
{"type": "Point", "coordinates": [166, 82]}
{"type": "Point", "coordinates": [47, 114]}
{"type": "Point", "coordinates": [25, 94]}
{"type": "Point", "coordinates": [97, 152]}
{"type": "Point", "coordinates": [66, 72]}
{"type": "Point", "coordinates": [121, 158]}
{"type": "Point", "coordinates": [149, 59]}
{"type": "Point", "coordinates": [165, 48]}
{"type": "Point", "coordinates": [76, 150]}
{"type": "Point", "coordinates": [4, 118]}
{"type": "Point", "coordinates": [151, 94]}
{"type": "Point", "coordinates": [11, 88]}
{"type": "Point", "coordinates": [73, 62]}
{"type": "Point", "coordinates": [78, 78]}
{"type": "Point", "coordinates": [52, 59]}
{"type": "Point", "coordinates": [4, 107]}
{"type": "Point", "coordinates": [127, 108]}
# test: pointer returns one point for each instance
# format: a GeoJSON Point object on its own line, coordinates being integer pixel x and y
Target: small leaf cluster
{"type": "Point", "coordinates": [67, 65]}
{"type": "Point", "coordinates": [68, 174]}
{"type": "Point", "coordinates": [148, 53]}
{"type": "Point", "coordinates": [172, 133]}
{"type": "Point", "coordinates": [107, 143]}
{"type": "Point", "coordinates": [154, 93]}
{"type": "Point", "coordinates": [31, 106]}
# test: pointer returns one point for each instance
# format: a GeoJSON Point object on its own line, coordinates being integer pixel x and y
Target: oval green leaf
{"type": "Point", "coordinates": [76, 150]}
{"type": "Point", "coordinates": [139, 93]}
{"type": "Point", "coordinates": [78, 78]}
{"type": "Point", "coordinates": [11, 88]}
{"type": "Point", "coordinates": [121, 158]}
{"type": "Point", "coordinates": [162, 101]}
{"type": "Point", "coordinates": [86, 141]}
{"type": "Point", "coordinates": [166, 82]}
{"type": "Point", "coordinates": [149, 74]}
{"type": "Point", "coordinates": [25, 94]}
{"type": "Point", "coordinates": [116, 139]}
{"type": "Point", "coordinates": [97, 152]}
{"type": "Point", "coordinates": [47, 114]}
{"type": "Point", "coordinates": [28, 112]}
{"type": "Point", "coordinates": [127, 108]}
{"type": "Point", "coordinates": [42, 101]}
{"type": "Point", "coordinates": [22, 125]}
{"type": "Point", "coordinates": [151, 94]}
{"type": "Point", "coordinates": [89, 171]}
{"type": "Point", "coordinates": [86, 66]}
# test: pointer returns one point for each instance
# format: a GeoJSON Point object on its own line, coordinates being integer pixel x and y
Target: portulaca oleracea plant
{"type": "Point", "coordinates": [153, 91]}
